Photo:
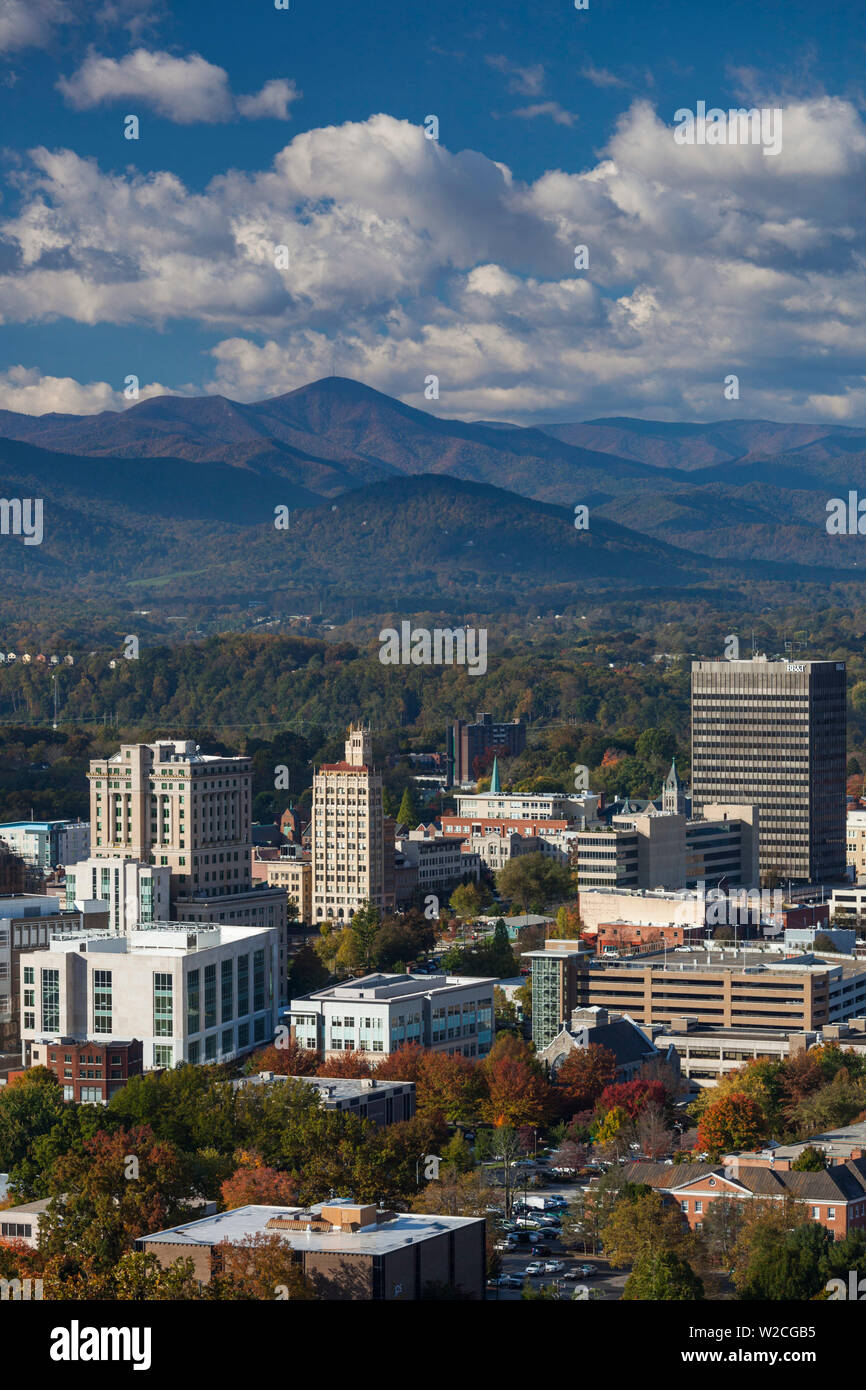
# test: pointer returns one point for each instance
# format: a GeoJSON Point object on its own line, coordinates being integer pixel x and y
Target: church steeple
{"type": "Point", "coordinates": [494, 778]}
{"type": "Point", "coordinates": [673, 795]}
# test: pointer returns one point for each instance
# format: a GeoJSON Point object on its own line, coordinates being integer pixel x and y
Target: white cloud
{"type": "Point", "coordinates": [601, 77]}
{"type": "Point", "coordinates": [26, 390]}
{"type": "Point", "coordinates": [553, 109]}
{"type": "Point", "coordinates": [36, 23]}
{"type": "Point", "coordinates": [528, 81]}
{"type": "Point", "coordinates": [702, 261]}
{"type": "Point", "coordinates": [183, 90]}
{"type": "Point", "coordinates": [273, 100]}
{"type": "Point", "coordinates": [30, 23]}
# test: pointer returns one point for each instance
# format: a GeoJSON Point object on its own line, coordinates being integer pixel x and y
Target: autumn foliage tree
{"type": "Point", "coordinates": [121, 1186]}
{"type": "Point", "coordinates": [582, 1077]}
{"type": "Point", "coordinates": [631, 1096]}
{"type": "Point", "coordinates": [517, 1091]}
{"type": "Point", "coordinates": [736, 1121]}
{"type": "Point", "coordinates": [261, 1267]}
{"type": "Point", "coordinates": [354, 1065]}
{"type": "Point", "coordinates": [289, 1060]}
{"type": "Point", "coordinates": [255, 1185]}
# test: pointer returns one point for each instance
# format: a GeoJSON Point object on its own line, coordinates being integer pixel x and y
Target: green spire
{"type": "Point", "coordinates": [494, 777]}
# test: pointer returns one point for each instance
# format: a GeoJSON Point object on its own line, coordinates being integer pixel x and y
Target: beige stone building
{"type": "Point", "coordinates": [189, 810]}
{"type": "Point", "coordinates": [348, 842]}
{"type": "Point", "coordinates": [296, 877]}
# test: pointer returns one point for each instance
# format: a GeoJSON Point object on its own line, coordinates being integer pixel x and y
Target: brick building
{"type": "Point", "coordinates": [90, 1071]}
{"type": "Point", "coordinates": [351, 1251]}
{"type": "Point", "coordinates": [836, 1197]}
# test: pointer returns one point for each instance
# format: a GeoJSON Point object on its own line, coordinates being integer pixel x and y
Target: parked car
{"type": "Point", "coordinates": [586, 1271]}
{"type": "Point", "coordinates": [537, 1267]}
{"type": "Point", "coordinates": [541, 1249]}
{"type": "Point", "coordinates": [553, 1266]}
{"type": "Point", "coordinates": [511, 1281]}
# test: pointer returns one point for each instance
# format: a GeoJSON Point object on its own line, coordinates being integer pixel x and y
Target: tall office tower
{"type": "Point", "coordinates": [347, 833]}
{"type": "Point", "coordinates": [465, 742]}
{"type": "Point", "coordinates": [771, 734]}
{"type": "Point", "coordinates": [187, 809]}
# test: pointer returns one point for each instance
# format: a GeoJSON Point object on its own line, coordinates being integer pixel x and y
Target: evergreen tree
{"type": "Point", "coordinates": [408, 814]}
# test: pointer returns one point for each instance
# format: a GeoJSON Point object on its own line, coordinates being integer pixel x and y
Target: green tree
{"type": "Point", "coordinates": [307, 972]}
{"type": "Point", "coordinates": [811, 1160]}
{"type": "Point", "coordinates": [408, 813]}
{"type": "Point", "coordinates": [30, 1106]}
{"type": "Point", "coordinates": [469, 900]}
{"type": "Point", "coordinates": [662, 1276]}
{"type": "Point", "coordinates": [532, 881]}
{"type": "Point", "coordinates": [786, 1265]}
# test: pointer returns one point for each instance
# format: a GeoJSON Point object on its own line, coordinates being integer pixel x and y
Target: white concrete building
{"type": "Point", "coordinates": [379, 1013]}
{"type": "Point", "coordinates": [190, 994]}
{"type": "Point", "coordinates": [136, 893]}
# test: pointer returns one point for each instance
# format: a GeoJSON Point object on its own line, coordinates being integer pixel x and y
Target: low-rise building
{"type": "Point", "coordinates": [835, 1198]}
{"type": "Point", "coordinates": [618, 1033]}
{"type": "Point", "coordinates": [383, 1102]}
{"type": "Point", "coordinates": [22, 1222]}
{"type": "Point", "coordinates": [294, 875]}
{"type": "Point", "coordinates": [439, 860]}
{"type": "Point", "coordinates": [350, 1250]}
{"type": "Point", "coordinates": [379, 1013]}
{"type": "Point", "coordinates": [90, 1072]}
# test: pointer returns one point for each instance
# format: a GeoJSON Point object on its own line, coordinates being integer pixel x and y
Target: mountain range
{"type": "Point", "coordinates": [177, 495]}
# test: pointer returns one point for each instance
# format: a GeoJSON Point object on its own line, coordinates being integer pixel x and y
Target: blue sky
{"type": "Point", "coordinates": [408, 257]}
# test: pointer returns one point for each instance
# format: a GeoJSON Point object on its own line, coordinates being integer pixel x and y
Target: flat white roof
{"type": "Point", "coordinates": [406, 1229]}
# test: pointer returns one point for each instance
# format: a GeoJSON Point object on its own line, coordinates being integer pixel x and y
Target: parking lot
{"type": "Point", "coordinates": [600, 1281]}
{"type": "Point", "coordinates": [603, 1283]}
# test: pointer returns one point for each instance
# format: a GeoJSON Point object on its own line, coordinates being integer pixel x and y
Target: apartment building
{"type": "Point", "coordinates": [189, 993]}
{"type": "Point", "coordinates": [350, 1250]}
{"type": "Point", "coordinates": [771, 734]}
{"type": "Point", "coordinates": [348, 837]}
{"type": "Point", "coordinates": [170, 804]}
{"type": "Point", "coordinates": [466, 742]}
{"type": "Point", "coordinates": [378, 1013]}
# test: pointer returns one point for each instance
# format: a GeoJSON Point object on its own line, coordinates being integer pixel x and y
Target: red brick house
{"type": "Point", "coordinates": [836, 1197]}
